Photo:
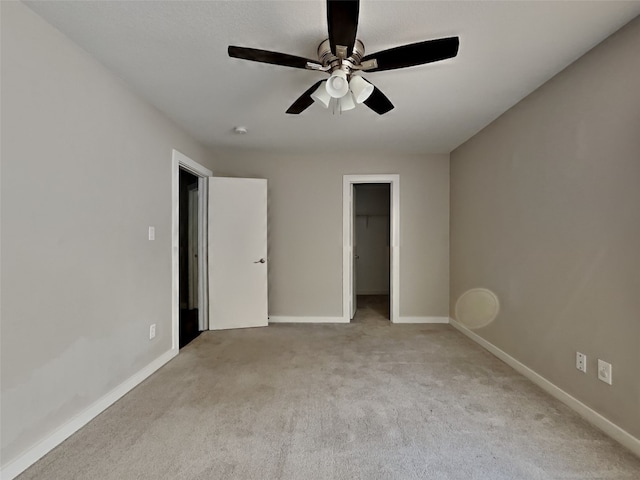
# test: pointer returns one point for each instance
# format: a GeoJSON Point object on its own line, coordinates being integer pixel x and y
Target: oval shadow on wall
{"type": "Point", "coordinates": [477, 308]}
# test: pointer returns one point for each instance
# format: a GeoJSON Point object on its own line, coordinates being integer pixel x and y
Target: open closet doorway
{"type": "Point", "coordinates": [372, 252]}
{"type": "Point", "coordinates": [190, 282]}
{"type": "Point", "coordinates": [385, 188]}
{"type": "Point", "coordinates": [188, 256]}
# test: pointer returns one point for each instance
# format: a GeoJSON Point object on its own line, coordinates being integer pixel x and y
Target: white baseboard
{"type": "Point", "coordinates": [18, 465]}
{"type": "Point", "coordinates": [607, 426]}
{"type": "Point", "coordinates": [281, 319]}
{"type": "Point", "coordinates": [422, 320]}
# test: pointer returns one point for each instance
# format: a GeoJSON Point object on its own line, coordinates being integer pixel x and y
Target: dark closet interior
{"type": "Point", "coordinates": [188, 248]}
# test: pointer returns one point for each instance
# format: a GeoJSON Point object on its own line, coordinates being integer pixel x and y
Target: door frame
{"type": "Point", "coordinates": [181, 161]}
{"type": "Point", "coordinates": [348, 209]}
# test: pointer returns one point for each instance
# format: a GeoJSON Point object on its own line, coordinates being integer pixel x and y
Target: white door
{"type": "Point", "coordinates": [192, 247]}
{"type": "Point", "coordinates": [237, 253]}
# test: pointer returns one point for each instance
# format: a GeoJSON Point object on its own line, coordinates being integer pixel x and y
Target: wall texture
{"type": "Point", "coordinates": [545, 211]}
{"type": "Point", "coordinates": [305, 227]}
{"type": "Point", "coordinates": [86, 168]}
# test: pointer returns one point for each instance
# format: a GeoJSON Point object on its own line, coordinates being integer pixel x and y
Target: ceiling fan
{"type": "Point", "coordinates": [342, 55]}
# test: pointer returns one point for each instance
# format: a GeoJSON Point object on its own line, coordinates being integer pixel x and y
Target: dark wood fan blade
{"type": "Point", "coordinates": [415, 54]}
{"type": "Point", "coordinates": [378, 102]}
{"type": "Point", "coordinates": [266, 56]}
{"type": "Point", "coordinates": [304, 101]}
{"type": "Point", "coordinates": [342, 18]}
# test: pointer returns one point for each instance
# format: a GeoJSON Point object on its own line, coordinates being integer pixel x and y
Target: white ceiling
{"type": "Point", "coordinates": [174, 54]}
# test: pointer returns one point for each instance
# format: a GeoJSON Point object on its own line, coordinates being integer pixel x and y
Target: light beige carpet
{"type": "Point", "coordinates": [368, 400]}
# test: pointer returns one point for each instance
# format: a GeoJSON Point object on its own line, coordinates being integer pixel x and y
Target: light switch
{"type": "Point", "coordinates": [152, 233]}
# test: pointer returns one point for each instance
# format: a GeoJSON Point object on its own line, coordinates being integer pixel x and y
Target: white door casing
{"type": "Point", "coordinates": [237, 253]}
{"type": "Point", "coordinates": [181, 161]}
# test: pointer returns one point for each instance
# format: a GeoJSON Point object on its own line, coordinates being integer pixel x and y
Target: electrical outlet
{"type": "Point", "coordinates": [604, 371]}
{"type": "Point", "coordinates": [152, 331]}
{"type": "Point", "coordinates": [581, 362]}
{"type": "Point", "coordinates": [152, 233]}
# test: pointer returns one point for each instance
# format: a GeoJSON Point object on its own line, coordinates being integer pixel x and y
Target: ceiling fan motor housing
{"type": "Point", "coordinates": [328, 59]}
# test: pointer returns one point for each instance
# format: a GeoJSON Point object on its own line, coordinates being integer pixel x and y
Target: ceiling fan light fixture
{"type": "Point", "coordinates": [321, 95]}
{"type": "Point", "coordinates": [360, 88]}
{"type": "Point", "coordinates": [346, 103]}
{"type": "Point", "coordinates": [337, 85]}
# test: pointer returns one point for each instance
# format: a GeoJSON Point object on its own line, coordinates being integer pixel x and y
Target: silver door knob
{"type": "Point", "coordinates": [262, 260]}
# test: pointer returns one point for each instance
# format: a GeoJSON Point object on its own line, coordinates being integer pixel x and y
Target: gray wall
{"type": "Point", "coordinates": [86, 168]}
{"type": "Point", "coordinates": [305, 227]}
{"type": "Point", "coordinates": [545, 211]}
